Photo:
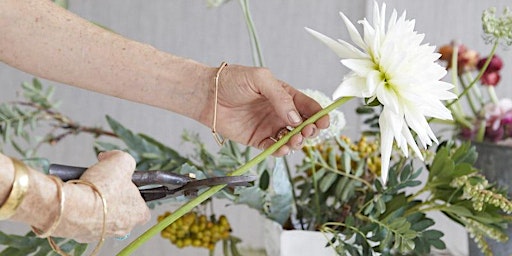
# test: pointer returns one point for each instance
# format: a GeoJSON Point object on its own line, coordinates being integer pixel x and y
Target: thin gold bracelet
{"type": "Point", "coordinates": [56, 247]}
{"type": "Point", "coordinates": [62, 199]}
{"type": "Point", "coordinates": [18, 191]}
{"type": "Point", "coordinates": [216, 136]}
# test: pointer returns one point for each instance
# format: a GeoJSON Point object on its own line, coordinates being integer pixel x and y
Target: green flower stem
{"type": "Point", "coordinates": [476, 90]}
{"type": "Point", "coordinates": [257, 56]}
{"type": "Point", "coordinates": [456, 109]}
{"type": "Point", "coordinates": [492, 94]}
{"type": "Point", "coordinates": [295, 199]}
{"type": "Point", "coordinates": [486, 64]}
{"type": "Point", "coordinates": [471, 104]}
{"type": "Point", "coordinates": [187, 207]}
{"type": "Point", "coordinates": [315, 186]}
{"type": "Point", "coordinates": [455, 70]}
{"type": "Point", "coordinates": [481, 132]}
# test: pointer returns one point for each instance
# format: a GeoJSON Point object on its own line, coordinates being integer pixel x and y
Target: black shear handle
{"type": "Point", "coordinates": [139, 178]}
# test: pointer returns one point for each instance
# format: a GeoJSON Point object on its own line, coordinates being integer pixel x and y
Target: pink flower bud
{"type": "Point", "coordinates": [490, 78]}
{"type": "Point", "coordinates": [495, 65]}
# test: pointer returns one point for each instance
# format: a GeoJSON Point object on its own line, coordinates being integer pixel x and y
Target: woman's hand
{"type": "Point", "coordinates": [253, 107]}
{"type": "Point", "coordinates": [82, 218]}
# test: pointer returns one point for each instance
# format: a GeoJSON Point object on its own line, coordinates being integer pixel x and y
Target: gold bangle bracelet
{"type": "Point", "coordinates": [56, 247]}
{"type": "Point", "coordinates": [18, 191]}
{"type": "Point", "coordinates": [217, 138]}
{"type": "Point", "coordinates": [62, 199]}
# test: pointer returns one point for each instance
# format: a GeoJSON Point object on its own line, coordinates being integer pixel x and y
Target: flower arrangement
{"type": "Point", "coordinates": [358, 190]}
{"type": "Point", "coordinates": [489, 117]}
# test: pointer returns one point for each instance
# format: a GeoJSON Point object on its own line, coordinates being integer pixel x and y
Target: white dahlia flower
{"type": "Point", "coordinates": [388, 63]}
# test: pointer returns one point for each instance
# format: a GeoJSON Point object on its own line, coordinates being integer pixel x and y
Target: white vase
{"type": "Point", "coordinates": [279, 242]}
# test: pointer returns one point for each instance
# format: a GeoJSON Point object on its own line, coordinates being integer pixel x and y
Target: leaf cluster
{"type": "Point", "coordinates": [20, 119]}
{"type": "Point", "coordinates": [456, 186]}
{"type": "Point", "coordinates": [29, 244]}
{"type": "Point", "coordinates": [337, 193]}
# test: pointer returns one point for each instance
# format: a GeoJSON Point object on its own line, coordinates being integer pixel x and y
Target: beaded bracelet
{"type": "Point", "coordinates": [18, 191]}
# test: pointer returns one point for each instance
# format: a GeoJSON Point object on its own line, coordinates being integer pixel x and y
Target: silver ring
{"type": "Point", "coordinates": [273, 139]}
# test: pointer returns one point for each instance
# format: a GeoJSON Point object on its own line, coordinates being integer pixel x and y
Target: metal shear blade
{"type": "Point", "coordinates": [191, 188]}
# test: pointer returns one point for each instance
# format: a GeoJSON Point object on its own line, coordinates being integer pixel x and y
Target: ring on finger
{"type": "Point", "coordinates": [282, 132]}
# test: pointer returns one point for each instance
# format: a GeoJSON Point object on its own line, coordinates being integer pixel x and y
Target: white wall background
{"type": "Point", "coordinates": [188, 28]}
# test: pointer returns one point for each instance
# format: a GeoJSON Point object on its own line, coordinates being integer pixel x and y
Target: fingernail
{"type": "Point", "coordinates": [300, 142]}
{"type": "Point", "coordinates": [294, 117]}
{"type": "Point", "coordinates": [313, 131]}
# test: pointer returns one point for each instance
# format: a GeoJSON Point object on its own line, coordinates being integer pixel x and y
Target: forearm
{"type": "Point", "coordinates": [48, 41]}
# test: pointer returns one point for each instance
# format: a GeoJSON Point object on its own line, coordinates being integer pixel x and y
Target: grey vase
{"type": "Point", "coordinates": [495, 161]}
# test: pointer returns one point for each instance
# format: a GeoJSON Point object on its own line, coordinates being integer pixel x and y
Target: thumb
{"type": "Point", "coordinates": [115, 162]}
{"type": "Point", "coordinates": [282, 101]}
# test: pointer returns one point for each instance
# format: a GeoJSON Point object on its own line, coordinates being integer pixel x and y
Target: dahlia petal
{"type": "Point", "coordinates": [352, 86]}
{"type": "Point", "coordinates": [359, 66]}
{"type": "Point", "coordinates": [412, 143]}
{"type": "Point", "coordinates": [340, 49]}
{"type": "Point", "coordinates": [386, 145]}
{"type": "Point", "coordinates": [358, 53]}
{"type": "Point", "coordinates": [388, 98]}
{"type": "Point", "coordinates": [352, 31]}
{"type": "Point", "coordinates": [373, 81]}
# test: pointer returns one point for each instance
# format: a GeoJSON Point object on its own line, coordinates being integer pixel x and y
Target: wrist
{"type": "Point", "coordinates": [82, 217]}
{"type": "Point", "coordinates": [42, 194]}
{"type": "Point", "coordinates": [208, 110]}
{"type": "Point", "coordinates": [7, 174]}
{"type": "Point", "coordinates": [189, 87]}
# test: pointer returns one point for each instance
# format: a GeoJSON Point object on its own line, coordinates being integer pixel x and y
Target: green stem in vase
{"type": "Point", "coordinates": [315, 187]}
{"type": "Point", "coordinates": [492, 94]}
{"type": "Point", "coordinates": [187, 207]}
{"type": "Point", "coordinates": [455, 80]}
{"type": "Point", "coordinates": [471, 104]}
{"type": "Point", "coordinates": [477, 78]}
{"type": "Point", "coordinates": [257, 56]}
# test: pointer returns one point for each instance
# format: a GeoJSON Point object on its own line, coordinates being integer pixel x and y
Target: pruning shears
{"type": "Point", "coordinates": [162, 184]}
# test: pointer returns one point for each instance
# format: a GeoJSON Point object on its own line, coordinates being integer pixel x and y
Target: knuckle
{"type": "Point", "coordinates": [262, 73]}
{"type": "Point", "coordinates": [125, 158]}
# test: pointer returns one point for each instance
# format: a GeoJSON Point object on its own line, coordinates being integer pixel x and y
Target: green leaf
{"type": "Point", "coordinates": [458, 210]}
{"type": "Point", "coordinates": [7, 131]}
{"type": "Point", "coordinates": [341, 187]}
{"type": "Point", "coordinates": [422, 225]}
{"type": "Point", "coordinates": [264, 180]}
{"type": "Point", "coordinates": [327, 181]}
{"type": "Point", "coordinates": [442, 166]}
{"type": "Point", "coordinates": [405, 174]}
{"type": "Point", "coordinates": [465, 153]}
{"type": "Point", "coordinates": [105, 146]}
{"type": "Point", "coordinates": [141, 145]}
{"type": "Point", "coordinates": [319, 174]}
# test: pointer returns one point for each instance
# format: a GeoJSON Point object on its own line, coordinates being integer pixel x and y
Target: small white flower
{"type": "Point", "coordinates": [336, 118]}
{"type": "Point", "coordinates": [389, 63]}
